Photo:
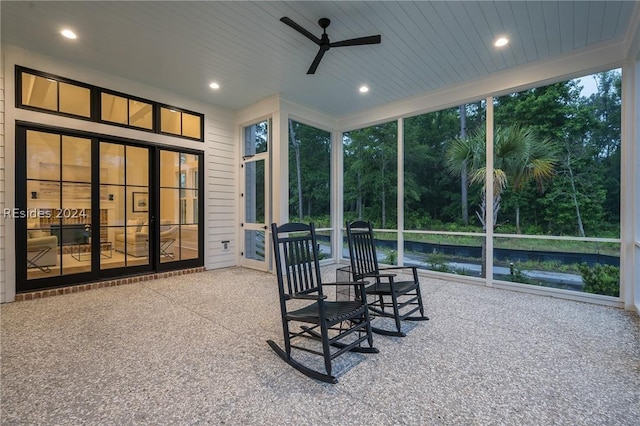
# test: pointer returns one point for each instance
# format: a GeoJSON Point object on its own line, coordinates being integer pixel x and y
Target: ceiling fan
{"type": "Point", "coordinates": [324, 42]}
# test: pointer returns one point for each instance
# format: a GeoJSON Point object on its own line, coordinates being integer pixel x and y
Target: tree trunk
{"type": "Point", "coordinates": [574, 197]}
{"type": "Point", "coordinates": [464, 184]}
{"type": "Point", "coordinates": [384, 208]}
{"type": "Point", "coordinates": [518, 219]}
{"type": "Point", "coordinates": [359, 199]}
{"type": "Point", "coordinates": [483, 220]}
{"type": "Point", "coordinates": [296, 146]}
{"type": "Point", "coordinates": [384, 195]}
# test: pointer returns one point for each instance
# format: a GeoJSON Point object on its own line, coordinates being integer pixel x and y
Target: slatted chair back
{"type": "Point", "coordinates": [362, 250]}
{"type": "Point", "coordinates": [296, 259]}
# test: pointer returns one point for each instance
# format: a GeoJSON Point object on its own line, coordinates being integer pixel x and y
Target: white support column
{"type": "Point", "coordinates": [337, 199]}
{"type": "Point", "coordinates": [628, 182]}
{"type": "Point", "coordinates": [279, 159]}
{"type": "Point", "coordinates": [489, 193]}
{"type": "Point", "coordinates": [400, 195]}
{"type": "Point", "coordinates": [634, 191]}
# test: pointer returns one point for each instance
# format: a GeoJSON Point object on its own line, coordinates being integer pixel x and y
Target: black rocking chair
{"type": "Point", "coordinates": [327, 328]}
{"type": "Point", "coordinates": [399, 300]}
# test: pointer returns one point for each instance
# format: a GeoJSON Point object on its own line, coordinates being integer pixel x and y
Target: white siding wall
{"type": "Point", "coordinates": [219, 153]}
{"type": "Point", "coordinates": [2, 189]}
{"type": "Point", "coordinates": [221, 202]}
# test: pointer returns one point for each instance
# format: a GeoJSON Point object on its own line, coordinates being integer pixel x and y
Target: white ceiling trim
{"type": "Point", "coordinates": [523, 77]}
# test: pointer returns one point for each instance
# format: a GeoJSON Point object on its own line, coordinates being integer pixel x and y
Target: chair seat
{"type": "Point", "coordinates": [400, 287]}
{"type": "Point", "coordinates": [335, 312]}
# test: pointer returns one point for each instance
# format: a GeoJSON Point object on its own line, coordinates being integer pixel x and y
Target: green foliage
{"type": "Point", "coordinates": [581, 195]}
{"type": "Point", "coordinates": [390, 258]}
{"type": "Point", "coordinates": [370, 173]}
{"type": "Point", "coordinates": [322, 255]}
{"type": "Point", "coordinates": [310, 154]}
{"type": "Point", "coordinates": [516, 275]}
{"type": "Point", "coordinates": [601, 279]}
{"type": "Point", "coordinates": [438, 262]}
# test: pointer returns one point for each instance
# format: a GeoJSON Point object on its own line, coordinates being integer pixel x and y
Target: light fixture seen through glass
{"type": "Point", "coordinates": [364, 89]}
{"type": "Point", "coordinates": [69, 34]}
{"type": "Point", "coordinates": [214, 85]}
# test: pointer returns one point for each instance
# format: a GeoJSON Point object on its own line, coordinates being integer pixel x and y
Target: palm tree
{"type": "Point", "coordinates": [519, 157]}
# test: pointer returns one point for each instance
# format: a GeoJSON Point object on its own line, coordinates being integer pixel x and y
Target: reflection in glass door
{"type": "Point", "coordinates": [255, 200]}
{"type": "Point", "coordinates": [124, 206]}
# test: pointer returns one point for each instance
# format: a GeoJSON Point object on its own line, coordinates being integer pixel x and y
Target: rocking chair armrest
{"type": "Point", "coordinates": [353, 283]}
{"type": "Point", "coordinates": [389, 268]}
{"type": "Point", "coordinates": [308, 296]}
{"type": "Point", "coordinates": [378, 275]}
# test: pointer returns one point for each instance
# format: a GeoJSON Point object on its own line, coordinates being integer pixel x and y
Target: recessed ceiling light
{"type": "Point", "coordinates": [364, 89]}
{"type": "Point", "coordinates": [214, 86]}
{"type": "Point", "coordinates": [69, 34]}
{"type": "Point", "coordinates": [501, 41]}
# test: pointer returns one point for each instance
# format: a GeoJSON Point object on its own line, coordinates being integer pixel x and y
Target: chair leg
{"type": "Point", "coordinates": [367, 318]}
{"type": "Point", "coordinates": [33, 262]}
{"type": "Point", "coordinates": [325, 348]}
{"type": "Point", "coordinates": [422, 316]}
{"type": "Point", "coordinates": [396, 311]}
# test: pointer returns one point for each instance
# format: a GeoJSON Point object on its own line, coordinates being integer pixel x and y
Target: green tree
{"type": "Point", "coordinates": [309, 173]}
{"type": "Point", "coordinates": [520, 156]}
{"type": "Point", "coordinates": [432, 195]}
{"type": "Point", "coordinates": [370, 173]}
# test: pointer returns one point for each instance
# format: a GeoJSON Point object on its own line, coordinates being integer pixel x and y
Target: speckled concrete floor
{"type": "Point", "coordinates": [191, 350]}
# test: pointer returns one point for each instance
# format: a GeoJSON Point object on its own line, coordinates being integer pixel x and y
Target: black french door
{"type": "Point", "coordinates": [91, 207]}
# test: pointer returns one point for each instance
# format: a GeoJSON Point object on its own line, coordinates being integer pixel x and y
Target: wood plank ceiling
{"type": "Point", "coordinates": [183, 46]}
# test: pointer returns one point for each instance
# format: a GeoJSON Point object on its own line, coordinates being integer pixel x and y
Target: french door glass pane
{"type": "Point", "coordinates": [254, 195]}
{"type": "Point", "coordinates": [254, 243]}
{"type": "Point", "coordinates": [124, 206]}
{"type": "Point", "coordinates": [256, 138]}
{"type": "Point", "coordinates": [137, 166]}
{"type": "Point", "coordinates": [111, 163]}
{"type": "Point", "coordinates": [169, 224]}
{"type": "Point", "coordinates": [178, 206]}
{"type": "Point", "coordinates": [169, 169]}
{"type": "Point", "coordinates": [59, 196]}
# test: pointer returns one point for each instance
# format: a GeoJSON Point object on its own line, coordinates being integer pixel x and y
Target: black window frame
{"type": "Point", "coordinates": [95, 99]}
{"type": "Point", "coordinates": [181, 111]}
{"type": "Point", "coordinates": [57, 79]}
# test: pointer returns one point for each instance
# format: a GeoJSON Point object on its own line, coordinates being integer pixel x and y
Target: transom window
{"type": "Point", "coordinates": [53, 95]}
{"type": "Point", "coordinates": [58, 95]}
{"type": "Point", "coordinates": [125, 110]}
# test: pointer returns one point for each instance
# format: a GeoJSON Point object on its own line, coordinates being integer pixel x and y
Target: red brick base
{"type": "Point", "coordinates": [100, 284]}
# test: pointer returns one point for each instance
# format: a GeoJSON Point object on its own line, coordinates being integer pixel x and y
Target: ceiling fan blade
{"type": "Point", "coordinates": [301, 30]}
{"type": "Point", "coordinates": [376, 39]}
{"type": "Point", "coordinates": [316, 61]}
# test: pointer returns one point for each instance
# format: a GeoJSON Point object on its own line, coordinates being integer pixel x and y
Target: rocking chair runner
{"type": "Point", "coordinates": [338, 326]}
{"type": "Point", "coordinates": [395, 299]}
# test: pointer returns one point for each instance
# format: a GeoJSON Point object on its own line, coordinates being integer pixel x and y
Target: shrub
{"type": "Point", "coordinates": [390, 258]}
{"type": "Point", "coordinates": [437, 262]}
{"type": "Point", "coordinates": [601, 279]}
